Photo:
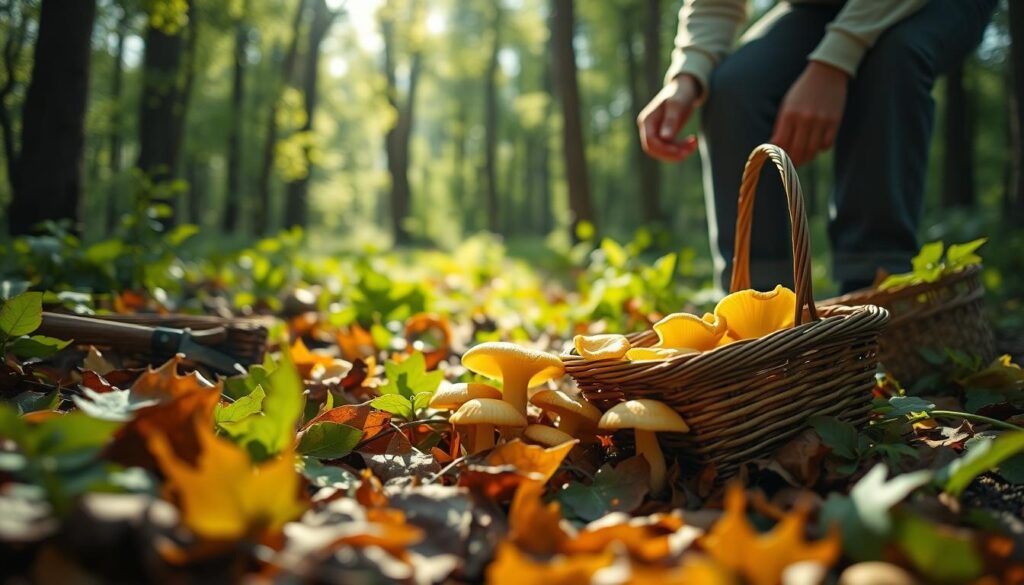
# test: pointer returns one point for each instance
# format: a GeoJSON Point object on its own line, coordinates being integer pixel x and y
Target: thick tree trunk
{"type": "Point", "coordinates": [161, 97]}
{"type": "Point", "coordinates": [233, 192]}
{"type": "Point", "coordinates": [49, 182]}
{"type": "Point", "coordinates": [296, 212]}
{"type": "Point", "coordinates": [1016, 21]}
{"type": "Point", "coordinates": [115, 153]}
{"type": "Point", "coordinates": [958, 167]}
{"type": "Point", "coordinates": [397, 139]}
{"type": "Point", "coordinates": [562, 24]}
{"type": "Point", "coordinates": [261, 219]}
{"type": "Point", "coordinates": [491, 125]}
{"type": "Point", "coordinates": [650, 170]}
{"type": "Point", "coordinates": [185, 100]}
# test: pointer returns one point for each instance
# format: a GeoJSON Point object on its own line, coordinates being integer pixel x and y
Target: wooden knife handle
{"type": "Point", "coordinates": [84, 330]}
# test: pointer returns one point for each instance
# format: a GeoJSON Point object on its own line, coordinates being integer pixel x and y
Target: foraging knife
{"type": "Point", "coordinates": [160, 341]}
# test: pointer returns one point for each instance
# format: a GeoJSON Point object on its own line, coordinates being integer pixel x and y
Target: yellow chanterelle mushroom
{"type": "Point", "coordinates": [646, 418]}
{"type": "Point", "coordinates": [518, 368]}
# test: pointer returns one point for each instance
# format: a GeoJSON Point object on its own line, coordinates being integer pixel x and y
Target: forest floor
{"type": "Point", "coordinates": [326, 460]}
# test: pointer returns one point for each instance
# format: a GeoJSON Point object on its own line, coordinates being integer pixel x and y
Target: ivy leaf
{"type": "Point", "coordinates": [982, 455]}
{"type": "Point", "coordinates": [397, 405]}
{"type": "Point", "coordinates": [22, 314]}
{"type": "Point", "coordinates": [909, 405]}
{"type": "Point", "coordinates": [863, 517]}
{"type": "Point", "coordinates": [615, 489]}
{"type": "Point", "coordinates": [37, 346]}
{"type": "Point", "coordinates": [328, 440]}
{"type": "Point", "coordinates": [837, 435]}
{"type": "Point", "coordinates": [962, 255]}
{"type": "Point", "coordinates": [410, 377]}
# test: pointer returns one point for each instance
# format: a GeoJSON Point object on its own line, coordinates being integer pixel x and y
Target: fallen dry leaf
{"type": "Point", "coordinates": [530, 459]}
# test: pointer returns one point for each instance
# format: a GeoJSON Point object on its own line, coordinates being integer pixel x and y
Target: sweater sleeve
{"type": "Point", "coordinates": [857, 27]}
{"type": "Point", "coordinates": [707, 29]}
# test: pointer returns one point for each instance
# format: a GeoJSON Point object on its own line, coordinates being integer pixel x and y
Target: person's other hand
{"type": "Point", "coordinates": [665, 116]}
{"type": "Point", "coordinates": [811, 111]}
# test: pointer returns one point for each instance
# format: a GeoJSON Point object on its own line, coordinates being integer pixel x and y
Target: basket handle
{"type": "Point", "coordinates": [797, 220]}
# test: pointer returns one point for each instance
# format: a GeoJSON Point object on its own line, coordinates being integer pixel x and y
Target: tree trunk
{"type": "Point", "coordinates": [49, 183]}
{"type": "Point", "coordinates": [261, 219]}
{"type": "Point", "coordinates": [1016, 21]}
{"type": "Point", "coordinates": [296, 212]}
{"type": "Point", "coordinates": [958, 170]}
{"type": "Point", "coordinates": [14, 44]}
{"type": "Point", "coordinates": [116, 150]}
{"type": "Point", "coordinates": [646, 167]}
{"type": "Point", "coordinates": [650, 170]}
{"type": "Point", "coordinates": [397, 139]}
{"type": "Point", "coordinates": [233, 191]}
{"type": "Point", "coordinates": [491, 125]}
{"type": "Point", "coordinates": [185, 99]}
{"type": "Point", "coordinates": [161, 96]}
{"type": "Point", "coordinates": [562, 23]}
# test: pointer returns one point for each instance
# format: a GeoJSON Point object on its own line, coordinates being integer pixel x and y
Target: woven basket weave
{"type": "Point", "coordinates": [744, 399]}
{"type": "Point", "coordinates": [947, 313]}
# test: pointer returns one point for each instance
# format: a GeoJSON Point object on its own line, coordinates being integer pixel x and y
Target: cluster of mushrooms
{"type": "Point", "coordinates": [481, 409]}
{"type": "Point", "coordinates": [745, 314]}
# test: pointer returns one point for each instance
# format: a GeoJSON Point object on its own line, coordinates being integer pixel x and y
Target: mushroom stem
{"type": "Point", "coordinates": [569, 425]}
{"type": "Point", "coordinates": [647, 445]}
{"type": "Point", "coordinates": [483, 437]}
{"type": "Point", "coordinates": [514, 387]}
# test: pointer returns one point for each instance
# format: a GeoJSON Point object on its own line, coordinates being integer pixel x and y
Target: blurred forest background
{"type": "Point", "coordinates": [405, 121]}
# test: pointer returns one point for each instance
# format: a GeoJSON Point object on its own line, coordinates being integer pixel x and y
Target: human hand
{"type": "Point", "coordinates": [663, 118]}
{"type": "Point", "coordinates": [810, 114]}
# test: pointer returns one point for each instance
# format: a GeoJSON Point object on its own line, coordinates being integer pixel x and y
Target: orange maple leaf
{"type": "Point", "coordinates": [512, 566]}
{"type": "Point", "coordinates": [761, 558]}
{"type": "Point", "coordinates": [305, 360]}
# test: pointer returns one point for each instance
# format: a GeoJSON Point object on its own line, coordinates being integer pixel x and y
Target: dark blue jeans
{"type": "Point", "coordinates": [881, 150]}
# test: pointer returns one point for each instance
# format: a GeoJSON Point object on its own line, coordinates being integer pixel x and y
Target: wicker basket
{"type": "Point", "coordinates": [947, 313]}
{"type": "Point", "coordinates": [744, 399]}
{"type": "Point", "coordinates": [245, 339]}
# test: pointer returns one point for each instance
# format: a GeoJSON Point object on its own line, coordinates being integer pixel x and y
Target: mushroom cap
{"type": "Point", "coordinates": [601, 347]}
{"type": "Point", "coordinates": [547, 436]}
{"type": "Point", "coordinates": [683, 330]}
{"type": "Point", "coordinates": [643, 414]}
{"type": "Point", "coordinates": [751, 314]}
{"type": "Point", "coordinates": [452, 396]}
{"type": "Point", "coordinates": [488, 411]}
{"type": "Point", "coordinates": [563, 404]}
{"type": "Point", "coordinates": [493, 358]}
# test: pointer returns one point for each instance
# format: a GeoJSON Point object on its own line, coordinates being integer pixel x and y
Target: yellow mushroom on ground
{"type": "Point", "coordinates": [518, 368]}
{"type": "Point", "coordinates": [452, 396]}
{"type": "Point", "coordinates": [647, 418]}
{"type": "Point", "coordinates": [574, 414]}
{"type": "Point", "coordinates": [601, 347]}
{"type": "Point", "coordinates": [545, 435]}
{"type": "Point", "coordinates": [480, 416]}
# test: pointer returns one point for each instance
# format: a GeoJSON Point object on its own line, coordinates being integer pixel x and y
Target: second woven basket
{"type": "Point", "coordinates": [744, 399]}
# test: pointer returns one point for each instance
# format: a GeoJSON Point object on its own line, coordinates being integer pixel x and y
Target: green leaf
{"type": "Point", "coordinates": [410, 377]}
{"type": "Point", "coordinates": [1012, 470]}
{"type": "Point", "coordinates": [244, 407]}
{"type": "Point", "coordinates": [837, 435]}
{"type": "Point", "coordinates": [614, 253]}
{"type": "Point", "coordinates": [67, 434]}
{"type": "Point", "coordinates": [983, 455]}
{"type": "Point", "coordinates": [863, 517]}
{"type": "Point", "coordinates": [979, 398]}
{"type": "Point", "coordinates": [909, 405]}
{"type": "Point", "coordinates": [282, 407]}
{"type": "Point", "coordinates": [928, 257]}
{"type": "Point", "coordinates": [962, 255]}
{"type": "Point", "coordinates": [395, 404]}
{"type": "Point", "coordinates": [30, 401]}
{"type": "Point", "coordinates": [328, 440]}
{"type": "Point", "coordinates": [898, 280]}
{"type": "Point", "coordinates": [939, 553]}
{"type": "Point", "coordinates": [21, 315]}
{"type": "Point", "coordinates": [36, 346]}
{"type": "Point", "coordinates": [322, 475]}
{"type": "Point", "coordinates": [618, 489]}
{"type": "Point", "coordinates": [179, 234]}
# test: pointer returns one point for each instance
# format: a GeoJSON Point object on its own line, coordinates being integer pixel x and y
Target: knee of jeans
{"type": "Point", "coordinates": [900, 59]}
